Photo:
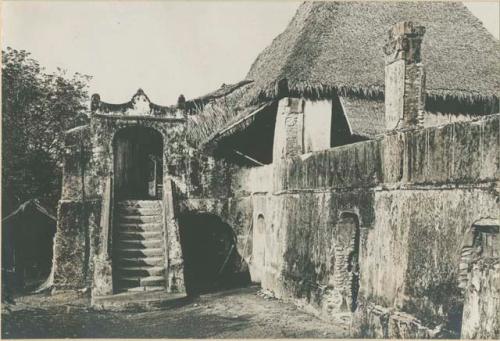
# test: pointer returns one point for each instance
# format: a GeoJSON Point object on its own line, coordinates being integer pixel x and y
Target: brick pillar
{"type": "Point", "coordinates": [404, 77]}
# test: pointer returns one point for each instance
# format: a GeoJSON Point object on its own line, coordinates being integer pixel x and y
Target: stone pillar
{"type": "Point", "coordinates": [288, 137]}
{"type": "Point", "coordinates": [102, 284]}
{"type": "Point", "coordinates": [102, 173]}
{"type": "Point", "coordinates": [404, 77]}
{"type": "Point", "coordinates": [289, 130]}
{"type": "Point", "coordinates": [174, 262]}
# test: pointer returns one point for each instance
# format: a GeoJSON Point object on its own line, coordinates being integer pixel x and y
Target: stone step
{"type": "Point", "coordinates": [140, 203]}
{"type": "Point", "coordinates": [140, 253]}
{"type": "Point", "coordinates": [139, 211]}
{"type": "Point", "coordinates": [139, 235]}
{"type": "Point", "coordinates": [140, 227]}
{"type": "Point", "coordinates": [140, 271]}
{"type": "Point", "coordinates": [140, 244]}
{"type": "Point", "coordinates": [131, 219]}
{"type": "Point", "coordinates": [135, 299]}
{"type": "Point", "coordinates": [138, 261]}
{"type": "Point", "coordinates": [132, 281]}
{"type": "Point", "coordinates": [148, 288]}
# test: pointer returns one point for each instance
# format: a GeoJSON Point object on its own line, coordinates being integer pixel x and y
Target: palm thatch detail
{"type": "Point", "coordinates": [336, 48]}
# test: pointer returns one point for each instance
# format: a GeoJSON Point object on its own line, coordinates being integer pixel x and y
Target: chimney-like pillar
{"type": "Point", "coordinates": [404, 77]}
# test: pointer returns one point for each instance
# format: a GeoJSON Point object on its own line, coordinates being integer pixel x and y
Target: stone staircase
{"type": "Point", "coordinates": [139, 258]}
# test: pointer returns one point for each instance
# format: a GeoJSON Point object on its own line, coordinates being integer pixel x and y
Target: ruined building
{"type": "Point", "coordinates": [355, 171]}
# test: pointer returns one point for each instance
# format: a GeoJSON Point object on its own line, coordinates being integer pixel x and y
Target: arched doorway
{"type": "Point", "coordinates": [211, 259]}
{"type": "Point", "coordinates": [138, 163]}
{"type": "Point", "coordinates": [138, 221]}
{"type": "Point", "coordinates": [258, 249]}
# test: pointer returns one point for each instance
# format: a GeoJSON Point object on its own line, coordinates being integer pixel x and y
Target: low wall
{"type": "Point", "coordinates": [458, 153]}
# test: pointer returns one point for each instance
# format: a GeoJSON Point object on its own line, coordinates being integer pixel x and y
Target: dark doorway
{"type": "Point", "coordinates": [138, 163]}
{"type": "Point", "coordinates": [211, 260]}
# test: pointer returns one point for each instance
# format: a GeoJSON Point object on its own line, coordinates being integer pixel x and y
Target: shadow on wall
{"type": "Point", "coordinates": [211, 259]}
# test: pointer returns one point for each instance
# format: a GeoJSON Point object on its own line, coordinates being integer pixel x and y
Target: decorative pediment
{"type": "Point", "coordinates": [139, 105]}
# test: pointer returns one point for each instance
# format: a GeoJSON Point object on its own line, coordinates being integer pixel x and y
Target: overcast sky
{"type": "Point", "coordinates": [166, 48]}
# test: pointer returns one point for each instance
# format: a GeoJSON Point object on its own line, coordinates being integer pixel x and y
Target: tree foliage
{"type": "Point", "coordinates": [37, 107]}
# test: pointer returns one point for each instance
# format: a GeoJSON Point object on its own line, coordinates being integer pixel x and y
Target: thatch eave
{"type": "Point", "coordinates": [321, 91]}
{"type": "Point", "coordinates": [224, 90]}
{"type": "Point", "coordinates": [336, 49]}
{"type": "Point", "coordinates": [337, 46]}
{"type": "Point", "coordinates": [237, 126]}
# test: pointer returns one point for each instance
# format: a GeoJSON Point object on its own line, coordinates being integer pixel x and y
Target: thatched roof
{"type": "Point", "coordinates": [217, 113]}
{"type": "Point", "coordinates": [224, 90]}
{"type": "Point", "coordinates": [332, 46]}
{"type": "Point", "coordinates": [336, 48]}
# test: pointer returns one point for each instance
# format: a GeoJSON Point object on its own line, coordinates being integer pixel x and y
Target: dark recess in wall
{"type": "Point", "coordinates": [256, 141]}
{"type": "Point", "coordinates": [211, 260]}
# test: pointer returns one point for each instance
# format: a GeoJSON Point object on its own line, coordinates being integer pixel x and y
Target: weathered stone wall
{"type": "Point", "coordinates": [421, 190]}
{"type": "Point", "coordinates": [78, 213]}
{"type": "Point", "coordinates": [409, 197]}
{"type": "Point", "coordinates": [237, 195]}
{"type": "Point", "coordinates": [85, 210]}
{"type": "Point", "coordinates": [415, 193]}
{"type": "Point", "coordinates": [432, 119]}
{"type": "Point", "coordinates": [411, 259]}
{"type": "Point", "coordinates": [459, 153]}
{"type": "Point", "coordinates": [207, 177]}
{"type": "Point", "coordinates": [481, 317]}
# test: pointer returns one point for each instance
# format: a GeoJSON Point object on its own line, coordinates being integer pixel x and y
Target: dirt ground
{"type": "Point", "coordinates": [237, 313]}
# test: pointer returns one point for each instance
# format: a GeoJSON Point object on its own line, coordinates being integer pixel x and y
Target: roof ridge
{"type": "Point", "coordinates": [304, 7]}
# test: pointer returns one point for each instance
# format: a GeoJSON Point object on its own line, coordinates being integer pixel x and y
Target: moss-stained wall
{"type": "Point", "coordinates": [77, 214]}
{"type": "Point", "coordinates": [482, 302]}
{"type": "Point", "coordinates": [413, 195]}
{"type": "Point", "coordinates": [85, 211]}
{"type": "Point", "coordinates": [414, 192]}
{"type": "Point", "coordinates": [411, 257]}
{"type": "Point", "coordinates": [465, 152]}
